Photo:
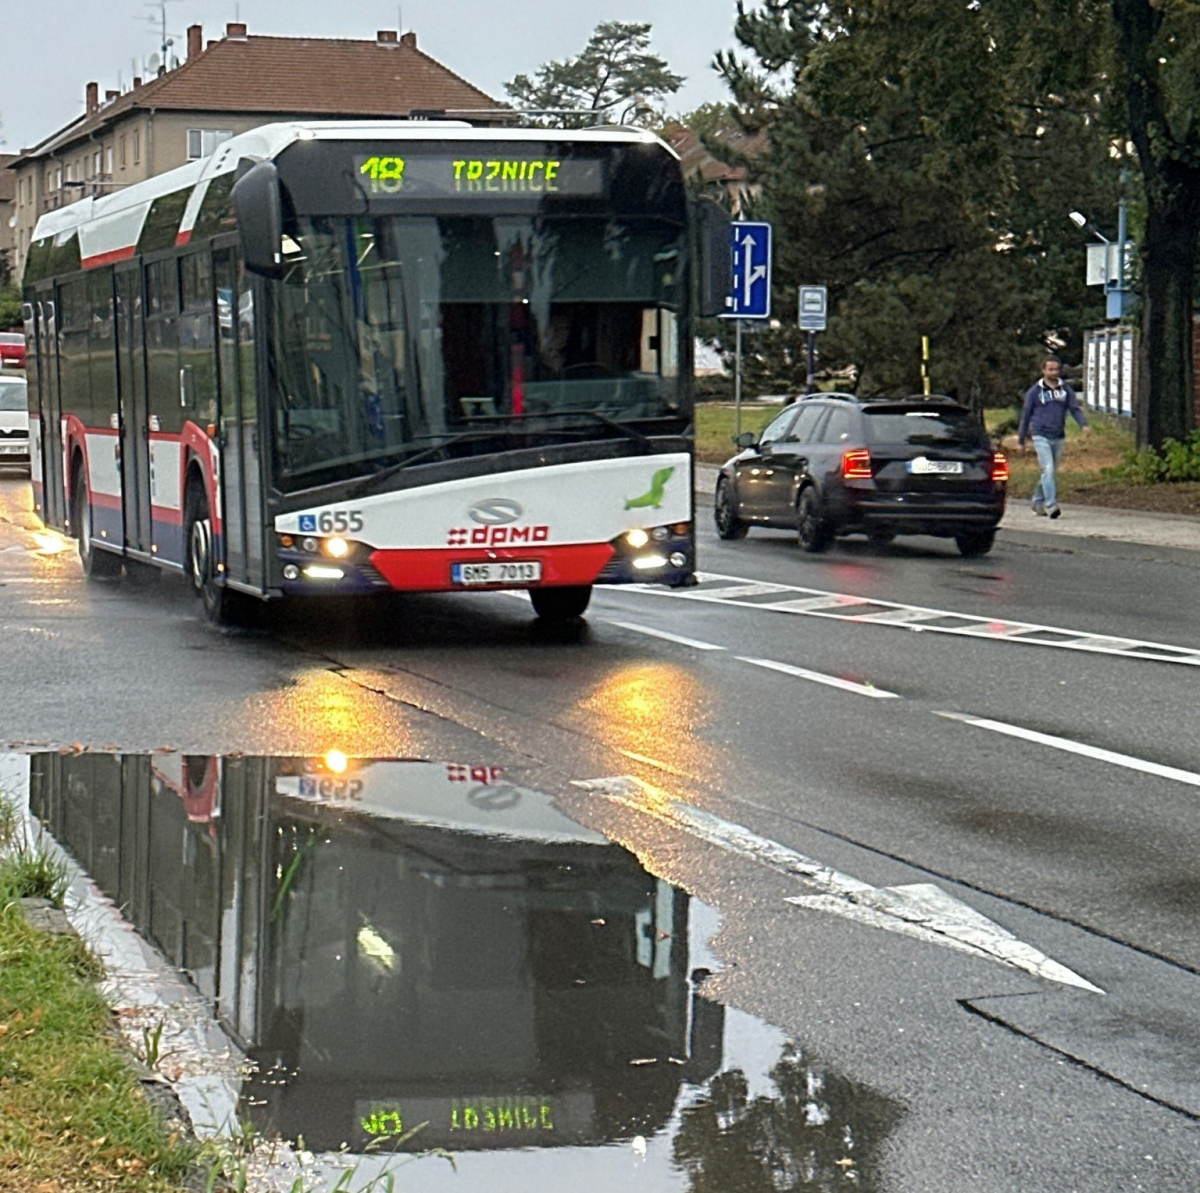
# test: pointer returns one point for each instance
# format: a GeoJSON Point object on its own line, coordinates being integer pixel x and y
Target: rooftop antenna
{"type": "Point", "coordinates": [166, 41]}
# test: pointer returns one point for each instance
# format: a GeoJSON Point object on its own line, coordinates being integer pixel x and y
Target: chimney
{"type": "Point", "coordinates": [235, 31]}
{"type": "Point", "coordinates": [109, 96]}
{"type": "Point", "coordinates": [409, 39]}
{"type": "Point", "coordinates": [93, 98]}
{"type": "Point", "coordinates": [195, 41]}
{"type": "Point", "coordinates": [386, 37]}
{"type": "Point", "coordinates": [137, 81]}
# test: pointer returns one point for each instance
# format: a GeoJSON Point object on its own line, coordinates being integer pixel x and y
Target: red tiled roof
{"type": "Point", "coordinates": [696, 159]}
{"type": "Point", "coordinates": [296, 76]}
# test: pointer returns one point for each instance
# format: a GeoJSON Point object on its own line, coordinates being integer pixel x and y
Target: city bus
{"type": "Point", "coordinates": [403, 356]}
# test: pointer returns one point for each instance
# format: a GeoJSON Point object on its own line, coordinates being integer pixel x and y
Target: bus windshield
{"type": "Point", "coordinates": [392, 335]}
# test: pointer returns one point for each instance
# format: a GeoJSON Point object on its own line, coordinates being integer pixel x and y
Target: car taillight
{"type": "Point", "coordinates": [856, 465]}
{"type": "Point", "coordinates": [999, 466]}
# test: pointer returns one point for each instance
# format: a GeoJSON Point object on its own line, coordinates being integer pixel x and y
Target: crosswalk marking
{"type": "Point", "coordinates": [744, 593]}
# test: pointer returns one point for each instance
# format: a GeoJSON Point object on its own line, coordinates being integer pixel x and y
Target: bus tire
{"type": "Point", "coordinates": [560, 604]}
{"type": "Point", "coordinates": [222, 606]}
{"type": "Point", "coordinates": [98, 564]}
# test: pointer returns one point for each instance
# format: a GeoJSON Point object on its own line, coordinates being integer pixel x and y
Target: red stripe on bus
{"type": "Point", "coordinates": [183, 237]}
{"type": "Point", "coordinates": [108, 258]}
{"type": "Point", "coordinates": [428, 570]}
{"type": "Point", "coordinates": [108, 501]}
{"type": "Point", "coordinates": [164, 513]}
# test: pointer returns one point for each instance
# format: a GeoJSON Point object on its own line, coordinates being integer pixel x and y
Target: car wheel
{"type": "Point", "coordinates": [975, 542]}
{"type": "Point", "coordinates": [811, 527]}
{"type": "Point", "coordinates": [222, 606]}
{"type": "Point", "coordinates": [98, 564]}
{"type": "Point", "coordinates": [729, 525]}
{"type": "Point", "coordinates": [560, 604]}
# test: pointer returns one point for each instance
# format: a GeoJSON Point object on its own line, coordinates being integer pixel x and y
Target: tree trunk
{"type": "Point", "coordinates": [1165, 406]}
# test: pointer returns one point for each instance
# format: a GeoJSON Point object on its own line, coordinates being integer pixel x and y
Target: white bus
{"type": "Point", "coordinates": [355, 358]}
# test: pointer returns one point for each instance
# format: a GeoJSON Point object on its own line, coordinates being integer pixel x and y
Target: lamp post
{"type": "Point", "coordinates": [1116, 292]}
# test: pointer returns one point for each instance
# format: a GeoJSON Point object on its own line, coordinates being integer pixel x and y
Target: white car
{"type": "Point", "coordinates": [14, 422]}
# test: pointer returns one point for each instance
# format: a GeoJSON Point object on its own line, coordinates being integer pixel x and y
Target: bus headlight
{"type": "Point", "coordinates": [337, 547]}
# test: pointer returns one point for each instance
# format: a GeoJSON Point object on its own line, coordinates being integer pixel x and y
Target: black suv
{"type": "Point", "coordinates": [834, 464]}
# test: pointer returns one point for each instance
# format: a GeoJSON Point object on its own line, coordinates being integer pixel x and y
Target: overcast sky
{"type": "Point", "coordinates": [53, 48]}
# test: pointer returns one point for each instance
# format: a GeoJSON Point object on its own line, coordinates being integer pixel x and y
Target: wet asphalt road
{"type": "Point", "coordinates": [996, 1078]}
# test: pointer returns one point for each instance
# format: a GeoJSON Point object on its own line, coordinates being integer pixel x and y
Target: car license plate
{"type": "Point", "coordinates": [13, 449]}
{"type": "Point", "coordinates": [923, 467]}
{"type": "Point", "coordinates": [509, 572]}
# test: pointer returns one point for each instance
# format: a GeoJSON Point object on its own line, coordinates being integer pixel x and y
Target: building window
{"type": "Point", "coordinates": [203, 142]}
{"type": "Point", "coordinates": [108, 160]}
{"type": "Point", "coordinates": [137, 146]}
{"type": "Point", "coordinates": [97, 162]}
{"type": "Point", "coordinates": [122, 153]}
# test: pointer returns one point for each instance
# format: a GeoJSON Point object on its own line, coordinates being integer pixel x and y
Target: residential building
{"type": "Point", "coordinates": [235, 83]}
{"type": "Point", "coordinates": [8, 217]}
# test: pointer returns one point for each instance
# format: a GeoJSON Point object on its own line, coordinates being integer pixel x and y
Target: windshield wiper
{"type": "Point", "coordinates": [369, 482]}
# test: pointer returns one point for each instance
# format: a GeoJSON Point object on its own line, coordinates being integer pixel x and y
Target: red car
{"type": "Point", "coordinates": [12, 350]}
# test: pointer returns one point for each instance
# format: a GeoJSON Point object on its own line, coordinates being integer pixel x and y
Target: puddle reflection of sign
{"type": "Point", "coordinates": [494, 799]}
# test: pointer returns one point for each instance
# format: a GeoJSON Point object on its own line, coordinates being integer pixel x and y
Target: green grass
{"type": "Point", "coordinates": [715, 428]}
{"type": "Point", "coordinates": [73, 1116]}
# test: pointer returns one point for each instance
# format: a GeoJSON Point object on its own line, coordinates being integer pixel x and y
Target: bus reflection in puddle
{"type": "Point", "coordinates": [421, 955]}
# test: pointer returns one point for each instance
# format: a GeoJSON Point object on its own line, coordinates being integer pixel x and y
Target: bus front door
{"type": "Point", "coordinates": [135, 427]}
{"type": "Point", "coordinates": [241, 472]}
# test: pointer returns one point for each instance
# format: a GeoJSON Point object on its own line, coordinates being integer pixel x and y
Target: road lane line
{"type": "Point", "coordinates": [1074, 747]}
{"type": "Point", "coordinates": [922, 911]}
{"type": "Point", "coordinates": [834, 681]}
{"type": "Point", "coordinates": [643, 629]}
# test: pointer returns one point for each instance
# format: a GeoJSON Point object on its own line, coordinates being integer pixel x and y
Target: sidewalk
{"type": "Point", "coordinates": [1077, 521]}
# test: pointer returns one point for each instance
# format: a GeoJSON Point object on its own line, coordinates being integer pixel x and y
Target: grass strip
{"type": "Point", "coordinates": [73, 1115]}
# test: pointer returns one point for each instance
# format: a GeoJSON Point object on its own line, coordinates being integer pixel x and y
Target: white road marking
{"type": "Point", "coordinates": [1074, 747]}
{"type": "Point", "coordinates": [642, 629]}
{"type": "Point", "coordinates": [813, 602]}
{"type": "Point", "coordinates": [834, 681]}
{"type": "Point", "coordinates": [922, 911]}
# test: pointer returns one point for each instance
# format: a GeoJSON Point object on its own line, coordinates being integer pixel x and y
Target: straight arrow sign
{"type": "Point", "coordinates": [919, 910]}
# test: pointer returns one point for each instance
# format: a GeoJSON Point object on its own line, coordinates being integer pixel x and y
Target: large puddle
{"type": "Point", "coordinates": [420, 957]}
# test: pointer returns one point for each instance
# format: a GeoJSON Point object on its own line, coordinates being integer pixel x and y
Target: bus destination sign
{"type": "Point", "coordinates": [424, 175]}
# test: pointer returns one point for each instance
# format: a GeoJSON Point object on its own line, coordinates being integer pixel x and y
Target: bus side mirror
{"type": "Point", "coordinates": [714, 245]}
{"type": "Point", "coordinates": [259, 210]}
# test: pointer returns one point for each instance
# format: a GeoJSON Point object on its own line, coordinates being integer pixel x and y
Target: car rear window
{"type": "Point", "coordinates": [11, 337]}
{"type": "Point", "coordinates": [921, 427]}
{"type": "Point", "coordinates": [12, 395]}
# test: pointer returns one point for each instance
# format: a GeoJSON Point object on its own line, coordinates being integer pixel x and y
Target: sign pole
{"type": "Point", "coordinates": [925, 364]}
{"type": "Point", "coordinates": [737, 380]}
{"type": "Point", "coordinates": [810, 386]}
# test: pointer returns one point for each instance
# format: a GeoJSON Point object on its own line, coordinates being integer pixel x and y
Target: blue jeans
{"type": "Point", "coordinates": [1049, 452]}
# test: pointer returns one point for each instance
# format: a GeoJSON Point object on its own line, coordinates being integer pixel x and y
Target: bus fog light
{"type": "Point", "coordinates": [678, 559]}
{"type": "Point", "coordinates": [645, 563]}
{"type": "Point", "coordinates": [310, 545]}
{"type": "Point", "coordinates": [317, 572]}
{"type": "Point", "coordinates": [637, 538]}
{"type": "Point", "coordinates": [291, 572]}
{"type": "Point", "coordinates": [660, 533]}
{"type": "Point", "coordinates": [337, 547]}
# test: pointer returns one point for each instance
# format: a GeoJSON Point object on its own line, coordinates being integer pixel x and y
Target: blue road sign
{"type": "Point", "coordinates": [751, 296]}
{"type": "Point", "coordinates": [814, 303]}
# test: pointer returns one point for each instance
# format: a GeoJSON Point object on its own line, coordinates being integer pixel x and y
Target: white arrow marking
{"type": "Point", "coordinates": [752, 276]}
{"type": "Point", "coordinates": [921, 910]}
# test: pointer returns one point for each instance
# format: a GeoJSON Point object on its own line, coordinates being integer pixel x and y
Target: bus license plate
{"type": "Point", "coordinates": [13, 449]}
{"type": "Point", "coordinates": [511, 572]}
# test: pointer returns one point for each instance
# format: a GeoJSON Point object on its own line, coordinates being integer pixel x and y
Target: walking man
{"type": "Point", "coordinates": [1044, 418]}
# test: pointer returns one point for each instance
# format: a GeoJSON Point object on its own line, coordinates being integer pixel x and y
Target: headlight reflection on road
{"type": "Point", "coordinates": [50, 542]}
{"type": "Point", "coordinates": [655, 712]}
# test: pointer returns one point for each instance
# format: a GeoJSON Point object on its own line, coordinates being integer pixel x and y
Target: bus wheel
{"type": "Point", "coordinates": [98, 564]}
{"type": "Point", "coordinates": [222, 605]}
{"type": "Point", "coordinates": [560, 604]}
